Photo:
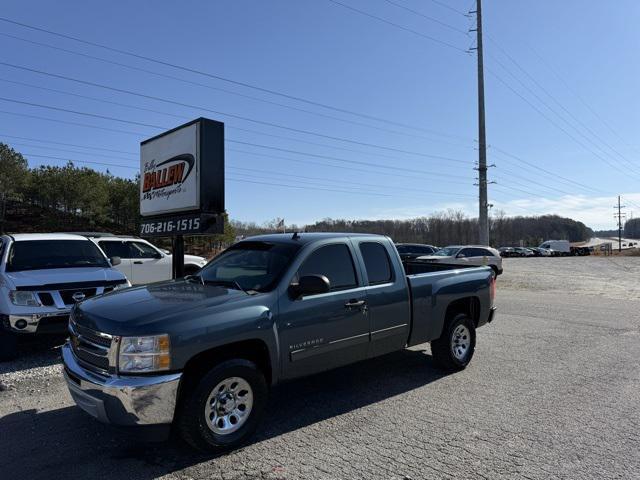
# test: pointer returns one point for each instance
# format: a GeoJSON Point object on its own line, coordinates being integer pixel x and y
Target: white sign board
{"type": "Point", "coordinates": [169, 169]}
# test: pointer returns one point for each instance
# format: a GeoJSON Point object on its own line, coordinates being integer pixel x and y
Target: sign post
{"type": "Point", "coordinates": [182, 184]}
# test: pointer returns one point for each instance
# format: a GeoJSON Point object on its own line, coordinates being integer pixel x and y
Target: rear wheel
{"type": "Point", "coordinates": [8, 345]}
{"type": "Point", "coordinates": [455, 347]}
{"type": "Point", "coordinates": [224, 408]}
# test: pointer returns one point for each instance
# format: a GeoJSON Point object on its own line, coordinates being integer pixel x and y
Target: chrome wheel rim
{"type": "Point", "coordinates": [229, 405]}
{"type": "Point", "coordinates": [460, 342]}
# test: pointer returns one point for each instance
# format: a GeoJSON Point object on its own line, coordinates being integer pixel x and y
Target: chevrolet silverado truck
{"type": "Point", "coordinates": [201, 353]}
{"type": "Point", "coordinates": [42, 275]}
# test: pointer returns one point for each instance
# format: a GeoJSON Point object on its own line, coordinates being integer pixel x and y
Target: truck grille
{"type": "Point", "coordinates": [90, 347]}
{"type": "Point", "coordinates": [67, 295]}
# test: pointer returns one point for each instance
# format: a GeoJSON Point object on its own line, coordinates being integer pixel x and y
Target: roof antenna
{"type": "Point", "coordinates": [295, 236]}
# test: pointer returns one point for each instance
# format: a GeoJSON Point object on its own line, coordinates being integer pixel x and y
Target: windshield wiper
{"type": "Point", "coordinates": [222, 283]}
{"type": "Point", "coordinates": [197, 278]}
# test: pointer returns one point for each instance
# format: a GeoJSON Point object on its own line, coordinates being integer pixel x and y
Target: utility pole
{"type": "Point", "coordinates": [483, 217]}
{"type": "Point", "coordinates": [619, 216]}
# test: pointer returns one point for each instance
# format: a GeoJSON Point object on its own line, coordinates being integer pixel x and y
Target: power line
{"type": "Point", "coordinates": [432, 19]}
{"type": "Point", "coordinates": [579, 97]}
{"type": "Point", "coordinates": [66, 122]}
{"type": "Point", "coordinates": [68, 144]}
{"type": "Point", "coordinates": [209, 75]}
{"type": "Point", "coordinates": [163, 127]}
{"type": "Point", "coordinates": [557, 102]}
{"type": "Point", "coordinates": [449, 7]}
{"type": "Point", "coordinates": [183, 117]}
{"type": "Point", "coordinates": [231, 92]}
{"type": "Point", "coordinates": [349, 182]}
{"type": "Point", "coordinates": [559, 127]}
{"type": "Point", "coordinates": [551, 174]}
{"type": "Point", "coordinates": [539, 99]}
{"type": "Point", "coordinates": [396, 25]}
{"type": "Point", "coordinates": [217, 112]}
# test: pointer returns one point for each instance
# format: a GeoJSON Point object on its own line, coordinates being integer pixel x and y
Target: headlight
{"type": "Point", "coordinates": [120, 286]}
{"type": "Point", "coordinates": [144, 354]}
{"type": "Point", "coordinates": [24, 298]}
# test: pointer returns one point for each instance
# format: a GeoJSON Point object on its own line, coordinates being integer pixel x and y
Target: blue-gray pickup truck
{"type": "Point", "coordinates": [201, 353]}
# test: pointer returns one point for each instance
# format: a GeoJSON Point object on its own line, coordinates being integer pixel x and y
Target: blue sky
{"type": "Point", "coordinates": [562, 117]}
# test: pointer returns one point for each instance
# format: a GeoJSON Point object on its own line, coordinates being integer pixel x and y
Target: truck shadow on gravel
{"type": "Point", "coordinates": [67, 443]}
{"type": "Point", "coordinates": [35, 352]}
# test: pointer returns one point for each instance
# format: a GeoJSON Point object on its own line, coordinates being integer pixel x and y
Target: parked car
{"type": "Point", "coordinates": [467, 255]}
{"type": "Point", "coordinates": [506, 252]}
{"type": "Point", "coordinates": [559, 247]}
{"type": "Point", "coordinates": [540, 252]}
{"type": "Point", "coordinates": [201, 353]}
{"type": "Point", "coordinates": [41, 277]}
{"type": "Point", "coordinates": [409, 251]}
{"type": "Point", "coordinates": [141, 261]}
{"type": "Point", "coordinates": [522, 252]}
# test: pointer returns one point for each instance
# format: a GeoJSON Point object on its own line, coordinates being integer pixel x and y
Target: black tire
{"type": "Point", "coordinates": [8, 345]}
{"type": "Point", "coordinates": [442, 349]}
{"type": "Point", "coordinates": [192, 424]}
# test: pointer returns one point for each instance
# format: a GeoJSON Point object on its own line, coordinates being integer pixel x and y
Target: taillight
{"type": "Point", "coordinates": [492, 289]}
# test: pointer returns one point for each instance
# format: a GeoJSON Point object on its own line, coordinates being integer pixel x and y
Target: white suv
{"type": "Point", "coordinates": [140, 261]}
{"type": "Point", "coordinates": [42, 276]}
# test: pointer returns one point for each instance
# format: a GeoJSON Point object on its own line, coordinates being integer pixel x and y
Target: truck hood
{"type": "Point", "coordinates": [61, 276]}
{"type": "Point", "coordinates": [158, 307]}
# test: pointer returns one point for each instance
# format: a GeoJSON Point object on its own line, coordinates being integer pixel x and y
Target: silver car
{"type": "Point", "coordinates": [476, 255]}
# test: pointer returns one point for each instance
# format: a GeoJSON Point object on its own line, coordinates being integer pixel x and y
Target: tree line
{"type": "Point", "coordinates": [454, 227]}
{"type": "Point", "coordinates": [69, 190]}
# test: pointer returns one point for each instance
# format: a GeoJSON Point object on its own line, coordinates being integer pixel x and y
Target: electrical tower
{"type": "Point", "coordinates": [619, 216]}
{"type": "Point", "coordinates": [483, 204]}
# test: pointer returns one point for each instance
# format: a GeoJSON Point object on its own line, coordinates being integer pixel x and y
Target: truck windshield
{"type": "Point", "coordinates": [46, 254]}
{"type": "Point", "coordinates": [251, 265]}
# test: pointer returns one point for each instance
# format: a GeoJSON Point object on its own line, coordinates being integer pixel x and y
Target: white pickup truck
{"type": "Point", "coordinates": [140, 261]}
{"type": "Point", "coordinates": [42, 276]}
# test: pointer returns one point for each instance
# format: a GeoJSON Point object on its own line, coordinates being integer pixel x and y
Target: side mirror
{"type": "Point", "coordinates": [310, 285]}
{"type": "Point", "coordinates": [158, 256]}
{"type": "Point", "coordinates": [461, 255]}
{"type": "Point", "coordinates": [165, 251]}
{"type": "Point", "coordinates": [115, 261]}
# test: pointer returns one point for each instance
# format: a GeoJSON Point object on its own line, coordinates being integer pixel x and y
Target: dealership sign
{"type": "Point", "coordinates": [182, 180]}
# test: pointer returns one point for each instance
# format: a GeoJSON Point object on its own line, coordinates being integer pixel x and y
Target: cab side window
{"type": "Point", "coordinates": [115, 249]}
{"type": "Point", "coordinates": [141, 250]}
{"type": "Point", "coordinates": [335, 263]}
{"type": "Point", "coordinates": [376, 262]}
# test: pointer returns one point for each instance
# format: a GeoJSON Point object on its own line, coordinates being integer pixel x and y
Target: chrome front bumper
{"type": "Point", "coordinates": [121, 400]}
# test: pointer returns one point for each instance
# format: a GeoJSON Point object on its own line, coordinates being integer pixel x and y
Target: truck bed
{"type": "Point", "coordinates": [434, 286]}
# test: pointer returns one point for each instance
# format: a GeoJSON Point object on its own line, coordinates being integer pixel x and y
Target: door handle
{"type": "Point", "coordinates": [354, 303]}
{"type": "Point", "coordinates": [138, 262]}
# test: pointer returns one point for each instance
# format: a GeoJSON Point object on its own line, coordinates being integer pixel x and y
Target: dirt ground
{"type": "Point", "coordinates": [609, 277]}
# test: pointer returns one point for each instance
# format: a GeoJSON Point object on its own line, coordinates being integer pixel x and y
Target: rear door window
{"type": "Point", "coordinates": [376, 262]}
{"type": "Point", "coordinates": [115, 249]}
{"type": "Point", "coordinates": [334, 262]}
{"type": "Point", "coordinates": [141, 250]}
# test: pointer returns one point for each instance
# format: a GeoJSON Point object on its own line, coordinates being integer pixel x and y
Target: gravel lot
{"type": "Point", "coordinates": [553, 392]}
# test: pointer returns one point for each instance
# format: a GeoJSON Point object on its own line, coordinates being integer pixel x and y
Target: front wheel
{"type": "Point", "coordinates": [455, 347]}
{"type": "Point", "coordinates": [224, 408]}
